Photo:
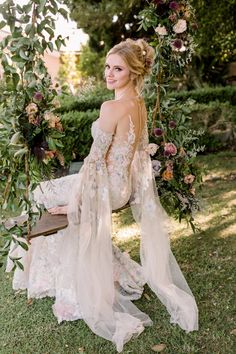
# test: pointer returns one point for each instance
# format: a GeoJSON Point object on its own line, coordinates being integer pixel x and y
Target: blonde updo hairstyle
{"type": "Point", "coordinates": [139, 57]}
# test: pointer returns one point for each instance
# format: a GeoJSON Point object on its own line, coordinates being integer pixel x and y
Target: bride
{"type": "Point", "coordinates": [89, 277]}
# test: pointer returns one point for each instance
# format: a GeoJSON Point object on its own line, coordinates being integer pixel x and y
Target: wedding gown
{"type": "Point", "coordinates": [88, 276]}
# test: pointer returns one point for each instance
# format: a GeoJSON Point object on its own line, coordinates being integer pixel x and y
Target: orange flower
{"type": "Point", "coordinates": [167, 175]}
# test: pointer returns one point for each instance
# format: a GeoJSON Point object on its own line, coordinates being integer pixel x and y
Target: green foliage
{"type": "Point", "coordinates": [92, 98]}
{"type": "Point", "coordinates": [175, 168]}
{"type": "Point", "coordinates": [69, 74]}
{"type": "Point", "coordinates": [174, 164]}
{"type": "Point", "coordinates": [218, 119]}
{"type": "Point", "coordinates": [208, 94]}
{"type": "Point", "coordinates": [78, 139]}
{"type": "Point", "coordinates": [106, 22]}
{"type": "Point", "coordinates": [87, 99]}
{"type": "Point", "coordinates": [216, 35]}
{"type": "Point", "coordinates": [91, 63]}
{"type": "Point", "coordinates": [216, 39]}
{"type": "Point", "coordinates": [30, 132]}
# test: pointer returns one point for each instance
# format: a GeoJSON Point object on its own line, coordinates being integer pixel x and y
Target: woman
{"type": "Point", "coordinates": [90, 278]}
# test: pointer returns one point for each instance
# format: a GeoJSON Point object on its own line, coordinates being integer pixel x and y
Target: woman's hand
{"type": "Point", "coordinates": [60, 210]}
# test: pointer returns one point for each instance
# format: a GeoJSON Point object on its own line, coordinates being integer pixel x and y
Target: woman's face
{"type": "Point", "coordinates": [117, 73]}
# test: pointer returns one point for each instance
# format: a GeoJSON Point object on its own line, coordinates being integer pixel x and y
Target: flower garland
{"type": "Point", "coordinates": [174, 145]}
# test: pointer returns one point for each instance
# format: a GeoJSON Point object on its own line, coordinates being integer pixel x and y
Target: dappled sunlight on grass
{"type": "Point", "coordinates": [126, 232]}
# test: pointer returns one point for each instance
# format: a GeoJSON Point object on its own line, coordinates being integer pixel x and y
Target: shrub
{"type": "Point", "coordinates": [87, 100]}
{"type": "Point", "coordinates": [77, 128]}
{"type": "Point", "coordinates": [219, 122]}
{"type": "Point", "coordinates": [80, 111]}
{"type": "Point", "coordinates": [208, 94]}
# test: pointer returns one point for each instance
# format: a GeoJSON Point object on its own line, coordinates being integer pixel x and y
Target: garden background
{"type": "Point", "coordinates": [205, 90]}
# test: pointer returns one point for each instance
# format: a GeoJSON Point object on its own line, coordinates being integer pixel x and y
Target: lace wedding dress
{"type": "Point", "coordinates": [88, 276]}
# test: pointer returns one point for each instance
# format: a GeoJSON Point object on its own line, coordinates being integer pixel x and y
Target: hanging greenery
{"type": "Point", "coordinates": [30, 131]}
{"type": "Point", "coordinates": [175, 143]}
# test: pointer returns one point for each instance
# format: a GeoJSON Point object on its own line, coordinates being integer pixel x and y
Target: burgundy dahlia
{"type": "Point", "coordinates": [172, 124]}
{"type": "Point", "coordinates": [166, 153]}
{"type": "Point", "coordinates": [174, 5]}
{"type": "Point", "coordinates": [38, 96]}
{"type": "Point", "coordinates": [177, 43]}
{"type": "Point", "coordinates": [158, 131]}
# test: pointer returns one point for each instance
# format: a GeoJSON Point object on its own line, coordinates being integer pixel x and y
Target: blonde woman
{"type": "Point", "coordinates": [90, 278]}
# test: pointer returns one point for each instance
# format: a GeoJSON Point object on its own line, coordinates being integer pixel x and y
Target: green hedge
{"type": "Point", "coordinates": [77, 128]}
{"type": "Point", "coordinates": [85, 101]}
{"type": "Point", "coordinates": [212, 105]}
{"type": "Point", "coordinates": [218, 119]}
{"type": "Point", "coordinates": [208, 94]}
{"type": "Point", "coordinates": [94, 99]}
{"type": "Point", "coordinates": [78, 138]}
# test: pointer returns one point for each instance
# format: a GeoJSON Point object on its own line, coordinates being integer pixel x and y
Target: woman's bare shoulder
{"type": "Point", "coordinates": [108, 106]}
{"type": "Point", "coordinates": [109, 114]}
{"type": "Point", "coordinates": [115, 109]}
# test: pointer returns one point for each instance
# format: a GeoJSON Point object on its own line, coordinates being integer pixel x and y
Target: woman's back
{"type": "Point", "coordinates": [130, 117]}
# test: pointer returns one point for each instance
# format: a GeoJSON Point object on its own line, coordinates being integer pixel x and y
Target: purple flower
{"type": "Point", "coordinates": [158, 131]}
{"type": "Point", "coordinates": [166, 153]}
{"type": "Point", "coordinates": [177, 43]}
{"type": "Point", "coordinates": [174, 5]}
{"type": "Point", "coordinates": [172, 124]}
{"type": "Point", "coordinates": [38, 96]}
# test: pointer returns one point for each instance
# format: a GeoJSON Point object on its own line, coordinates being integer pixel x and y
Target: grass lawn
{"type": "Point", "coordinates": [207, 259]}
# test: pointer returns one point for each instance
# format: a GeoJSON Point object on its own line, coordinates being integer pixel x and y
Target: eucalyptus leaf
{"type": "Point", "coordinates": [21, 152]}
{"type": "Point", "coordinates": [23, 55]}
{"type": "Point", "coordinates": [15, 138]}
{"type": "Point", "coordinates": [2, 24]}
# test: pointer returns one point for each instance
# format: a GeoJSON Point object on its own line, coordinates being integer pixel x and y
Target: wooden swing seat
{"type": "Point", "coordinates": [48, 224]}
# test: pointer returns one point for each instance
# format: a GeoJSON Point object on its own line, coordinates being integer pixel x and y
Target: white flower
{"type": "Point", "coordinates": [180, 26]}
{"type": "Point", "coordinates": [156, 167]}
{"type": "Point", "coordinates": [152, 149]}
{"type": "Point", "coordinates": [161, 30]}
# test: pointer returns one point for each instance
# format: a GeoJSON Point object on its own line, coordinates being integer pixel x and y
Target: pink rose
{"type": "Point", "coordinates": [161, 30]}
{"type": "Point", "coordinates": [188, 179]}
{"type": "Point", "coordinates": [180, 26]}
{"type": "Point", "coordinates": [170, 149]}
